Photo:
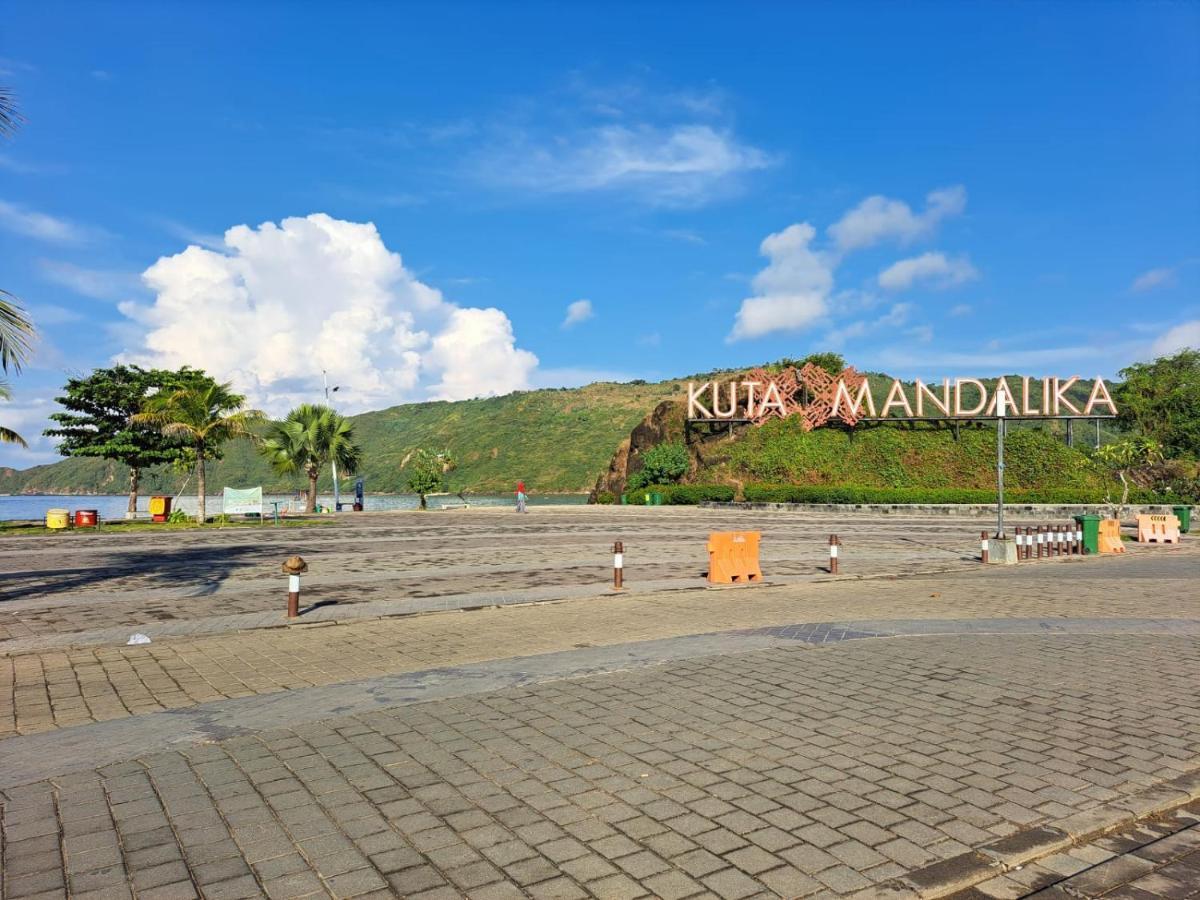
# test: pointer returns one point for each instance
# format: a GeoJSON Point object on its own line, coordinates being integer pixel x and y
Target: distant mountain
{"type": "Point", "coordinates": [556, 440]}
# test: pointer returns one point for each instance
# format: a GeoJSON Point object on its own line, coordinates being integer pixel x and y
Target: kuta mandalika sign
{"type": "Point", "coordinates": [819, 396]}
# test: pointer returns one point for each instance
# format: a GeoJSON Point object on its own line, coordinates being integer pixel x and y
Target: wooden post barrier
{"type": "Point", "coordinates": [834, 543]}
{"type": "Point", "coordinates": [618, 566]}
{"type": "Point", "coordinates": [983, 547]}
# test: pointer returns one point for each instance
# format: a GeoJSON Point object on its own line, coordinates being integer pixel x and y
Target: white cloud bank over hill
{"type": "Point", "coordinates": [286, 301]}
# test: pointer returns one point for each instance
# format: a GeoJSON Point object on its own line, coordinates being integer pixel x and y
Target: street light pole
{"type": "Point", "coordinates": [337, 496]}
{"type": "Point", "coordinates": [1001, 402]}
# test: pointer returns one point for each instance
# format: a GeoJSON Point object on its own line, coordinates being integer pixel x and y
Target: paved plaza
{"type": "Point", "coordinates": [918, 725]}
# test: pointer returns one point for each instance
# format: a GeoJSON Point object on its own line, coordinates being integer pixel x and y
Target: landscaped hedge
{"type": "Point", "coordinates": [682, 494]}
{"type": "Point", "coordinates": [806, 493]}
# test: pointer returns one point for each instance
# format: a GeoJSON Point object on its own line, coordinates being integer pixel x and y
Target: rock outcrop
{"type": "Point", "coordinates": [665, 423]}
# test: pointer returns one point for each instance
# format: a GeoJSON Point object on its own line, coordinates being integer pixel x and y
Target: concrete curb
{"type": "Point", "coordinates": [957, 873]}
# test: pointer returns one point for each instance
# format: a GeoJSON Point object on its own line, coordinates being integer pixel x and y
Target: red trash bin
{"type": "Point", "coordinates": [86, 518]}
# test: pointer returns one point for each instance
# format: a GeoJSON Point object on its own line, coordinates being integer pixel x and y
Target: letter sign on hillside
{"type": "Point", "coordinates": [817, 396]}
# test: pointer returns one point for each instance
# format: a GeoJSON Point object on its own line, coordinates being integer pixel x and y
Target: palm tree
{"type": "Point", "coordinates": [307, 440]}
{"type": "Point", "coordinates": [205, 415]}
{"type": "Point", "coordinates": [16, 330]}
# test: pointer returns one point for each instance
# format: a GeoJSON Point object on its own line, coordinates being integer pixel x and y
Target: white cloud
{"type": "Point", "coordinates": [27, 417]}
{"type": "Point", "coordinates": [31, 223]}
{"type": "Point", "coordinates": [679, 165]}
{"type": "Point", "coordinates": [579, 311]}
{"type": "Point", "coordinates": [101, 284]}
{"type": "Point", "coordinates": [895, 317]}
{"type": "Point", "coordinates": [685, 235]}
{"type": "Point", "coordinates": [477, 354]}
{"type": "Point", "coordinates": [1184, 335]}
{"type": "Point", "coordinates": [880, 218]}
{"type": "Point", "coordinates": [792, 292]}
{"type": "Point", "coordinates": [49, 314]}
{"type": "Point", "coordinates": [286, 301]}
{"type": "Point", "coordinates": [921, 333]}
{"type": "Point", "coordinates": [961, 309]}
{"type": "Point", "coordinates": [577, 376]}
{"type": "Point", "coordinates": [1152, 279]}
{"type": "Point", "coordinates": [936, 269]}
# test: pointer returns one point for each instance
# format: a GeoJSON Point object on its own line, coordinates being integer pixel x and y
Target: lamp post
{"type": "Point", "coordinates": [337, 495]}
{"type": "Point", "coordinates": [1001, 403]}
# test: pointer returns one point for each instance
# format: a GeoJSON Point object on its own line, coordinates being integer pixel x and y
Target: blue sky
{"type": "Point", "coordinates": [445, 200]}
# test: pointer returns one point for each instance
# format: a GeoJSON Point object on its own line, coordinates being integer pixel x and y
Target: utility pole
{"type": "Point", "coordinates": [337, 496]}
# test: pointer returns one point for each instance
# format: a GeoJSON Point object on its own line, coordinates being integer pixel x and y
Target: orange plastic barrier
{"type": "Point", "coordinates": [733, 557]}
{"type": "Point", "coordinates": [1154, 529]}
{"type": "Point", "coordinates": [1110, 536]}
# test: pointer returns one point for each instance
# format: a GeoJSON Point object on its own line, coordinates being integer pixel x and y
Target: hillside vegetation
{"type": "Point", "coordinates": [896, 456]}
{"type": "Point", "coordinates": [556, 440]}
{"type": "Point", "coordinates": [780, 451]}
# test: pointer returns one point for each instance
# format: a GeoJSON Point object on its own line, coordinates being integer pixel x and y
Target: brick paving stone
{"type": "Point", "coordinates": [511, 767]}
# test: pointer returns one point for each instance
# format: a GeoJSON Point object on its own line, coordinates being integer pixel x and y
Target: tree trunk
{"type": "Point", "coordinates": [310, 505]}
{"type": "Point", "coordinates": [134, 474]}
{"type": "Point", "coordinates": [1124, 494]}
{"type": "Point", "coordinates": [423, 506]}
{"type": "Point", "coordinates": [200, 489]}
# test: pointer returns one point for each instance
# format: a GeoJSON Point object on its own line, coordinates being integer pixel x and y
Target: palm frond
{"type": "Point", "coordinates": [10, 117]}
{"type": "Point", "coordinates": [8, 436]}
{"type": "Point", "coordinates": [16, 334]}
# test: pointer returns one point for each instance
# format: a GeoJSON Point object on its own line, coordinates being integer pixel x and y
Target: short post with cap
{"type": "Point", "coordinates": [618, 565]}
{"type": "Point", "coordinates": [834, 543]}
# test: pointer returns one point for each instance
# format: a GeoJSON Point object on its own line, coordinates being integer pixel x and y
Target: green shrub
{"type": "Point", "coordinates": [681, 494]}
{"type": "Point", "coordinates": [806, 493]}
{"type": "Point", "coordinates": [664, 463]}
{"type": "Point", "coordinates": [605, 498]}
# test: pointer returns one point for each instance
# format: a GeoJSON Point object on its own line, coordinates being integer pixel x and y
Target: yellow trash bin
{"type": "Point", "coordinates": [57, 518]}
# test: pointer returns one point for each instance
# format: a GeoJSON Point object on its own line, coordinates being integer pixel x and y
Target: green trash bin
{"type": "Point", "coordinates": [1184, 515]}
{"type": "Point", "coordinates": [1091, 532]}
{"type": "Point", "coordinates": [656, 499]}
{"type": "Point", "coordinates": [624, 500]}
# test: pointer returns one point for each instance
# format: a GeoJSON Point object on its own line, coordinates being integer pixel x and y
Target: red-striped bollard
{"type": "Point", "coordinates": [1019, 532]}
{"type": "Point", "coordinates": [983, 547]}
{"type": "Point", "coordinates": [1041, 540]}
{"type": "Point", "coordinates": [1078, 538]}
{"type": "Point", "coordinates": [618, 566]}
{"type": "Point", "coordinates": [1052, 545]}
{"type": "Point", "coordinates": [1061, 540]}
{"type": "Point", "coordinates": [834, 543]}
{"type": "Point", "coordinates": [293, 569]}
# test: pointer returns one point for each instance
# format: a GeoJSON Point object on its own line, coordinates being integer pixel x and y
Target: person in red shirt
{"type": "Point", "coordinates": [521, 497]}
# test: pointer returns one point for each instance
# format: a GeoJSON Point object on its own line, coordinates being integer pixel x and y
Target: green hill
{"type": "Point", "coordinates": [555, 439]}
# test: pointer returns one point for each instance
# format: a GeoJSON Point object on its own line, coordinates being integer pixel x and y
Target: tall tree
{"type": "Point", "coordinates": [1161, 399]}
{"type": "Point", "coordinates": [204, 415]}
{"type": "Point", "coordinates": [99, 418]}
{"type": "Point", "coordinates": [306, 441]}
